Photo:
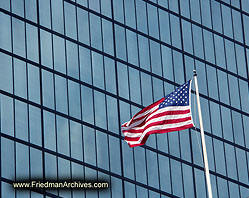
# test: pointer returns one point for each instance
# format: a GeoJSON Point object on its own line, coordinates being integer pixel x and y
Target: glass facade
{"type": "Point", "coordinates": [72, 71]}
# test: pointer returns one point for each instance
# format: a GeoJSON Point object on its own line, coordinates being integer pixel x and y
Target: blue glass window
{"type": "Point", "coordinates": [176, 175]}
{"type": "Point", "coordinates": [132, 47]}
{"type": "Point", "coordinates": [89, 145]}
{"type": "Point", "coordinates": [76, 140]}
{"type": "Point", "coordinates": [44, 13]}
{"type": "Point", "coordinates": [237, 128]}
{"type": "Point", "coordinates": [112, 114]}
{"type": "Point", "coordinates": [219, 51]}
{"type": "Point", "coordinates": [146, 86]}
{"type": "Point", "coordinates": [5, 32]}
{"type": "Point", "coordinates": [130, 13]}
{"type": "Point", "coordinates": [110, 75]}
{"type": "Point", "coordinates": [118, 10]}
{"type": "Point", "coordinates": [61, 94]}
{"type": "Point", "coordinates": [70, 20]}
{"type": "Point", "coordinates": [36, 169]}
{"type": "Point", "coordinates": [139, 158]}
{"type": "Point", "coordinates": [72, 59]}
{"type": "Point", "coordinates": [107, 37]}
{"type": "Point", "coordinates": [128, 161]}
{"type": "Point", "coordinates": [20, 78]}
{"type": "Point", "coordinates": [21, 120]}
{"type": "Point", "coordinates": [57, 16]}
{"type": "Point", "coordinates": [227, 21]}
{"type": "Point", "coordinates": [85, 65]}
{"type": "Point", "coordinates": [106, 8]}
{"type": "Point", "coordinates": [230, 56]}
{"type": "Point", "coordinates": [167, 62]}
{"type": "Point", "coordinates": [100, 109]}
{"type": "Point", "coordinates": [123, 84]}
{"type": "Point", "coordinates": [35, 133]}
{"type": "Point", "coordinates": [195, 10]}
{"type": "Point", "coordinates": [83, 26]}
{"type": "Point", "coordinates": [216, 16]}
{"type": "Point", "coordinates": [18, 7]}
{"type": "Point", "coordinates": [5, 4]}
{"type": "Point", "coordinates": [98, 70]}
{"type": "Point", "coordinates": [49, 130]}
{"type": "Point", "coordinates": [227, 123]}
{"type": "Point", "coordinates": [46, 49]}
{"type": "Point", "coordinates": [205, 14]}
{"type": "Point", "coordinates": [8, 158]}
{"type": "Point", "coordinates": [141, 16]}
{"type": "Point", "coordinates": [18, 31]}
{"type": "Point", "coordinates": [59, 54]}
{"type": "Point", "coordinates": [223, 88]}
{"type": "Point", "coordinates": [222, 187]}
{"type": "Point", "coordinates": [241, 61]}
{"type": "Point", "coordinates": [188, 180]}
{"type": "Point", "coordinates": [164, 169]}
{"type": "Point", "coordinates": [231, 161]}
{"type": "Point", "coordinates": [22, 161]}
{"type": "Point", "coordinates": [96, 34]}
{"type": "Point", "coordinates": [152, 168]}
{"type": "Point", "coordinates": [143, 44]}
{"type": "Point", "coordinates": [153, 21]}
{"type": "Point", "coordinates": [215, 119]}
{"type": "Point", "coordinates": [74, 99]}
{"type": "Point", "coordinates": [33, 83]}
{"type": "Point", "coordinates": [48, 89]}
{"type": "Point", "coordinates": [234, 91]}
{"type": "Point", "coordinates": [87, 104]}
{"type": "Point", "coordinates": [187, 37]}
{"type": "Point", "coordinates": [6, 74]}
{"type": "Point", "coordinates": [7, 115]}
{"type": "Point", "coordinates": [237, 25]}
{"type": "Point", "coordinates": [164, 26]}
{"type": "Point", "coordinates": [62, 134]}
{"type": "Point", "coordinates": [219, 156]}
{"type": "Point", "coordinates": [175, 31]}
{"type": "Point", "coordinates": [209, 46]}
{"type": "Point", "coordinates": [120, 42]}
{"type": "Point", "coordinates": [134, 82]}
{"type": "Point", "coordinates": [30, 10]}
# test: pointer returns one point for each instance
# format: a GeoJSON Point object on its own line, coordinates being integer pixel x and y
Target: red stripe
{"type": "Point", "coordinates": [178, 112]}
{"type": "Point", "coordinates": [162, 122]}
{"type": "Point", "coordinates": [147, 108]}
{"type": "Point", "coordinates": [162, 114]}
{"type": "Point", "coordinates": [161, 131]}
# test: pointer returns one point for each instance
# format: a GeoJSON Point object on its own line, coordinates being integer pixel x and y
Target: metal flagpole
{"type": "Point", "coordinates": [203, 138]}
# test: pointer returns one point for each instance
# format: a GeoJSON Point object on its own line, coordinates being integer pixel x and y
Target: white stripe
{"type": "Point", "coordinates": [159, 127]}
{"type": "Point", "coordinates": [171, 108]}
{"type": "Point", "coordinates": [166, 117]}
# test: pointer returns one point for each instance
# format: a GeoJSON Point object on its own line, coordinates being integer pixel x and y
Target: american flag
{"type": "Point", "coordinates": [172, 113]}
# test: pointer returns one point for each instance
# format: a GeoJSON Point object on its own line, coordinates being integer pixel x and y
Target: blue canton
{"type": "Point", "coordinates": [179, 97]}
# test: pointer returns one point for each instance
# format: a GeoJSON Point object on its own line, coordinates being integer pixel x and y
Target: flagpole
{"type": "Point", "coordinates": [203, 138]}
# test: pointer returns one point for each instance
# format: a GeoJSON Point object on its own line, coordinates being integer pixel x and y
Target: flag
{"type": "Point", "coordinates": [172, 113]}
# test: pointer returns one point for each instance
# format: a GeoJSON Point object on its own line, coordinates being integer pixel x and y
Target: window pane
{"type": "Point", "coordinates": [57, 16]}
{"type": "Point", "coordinates": [5, 32]}
{"type": "Point", "coordinates": [70, 20]}
{"type": "Point", "coordinates": [72, 59]}
{"type": "Point", "coordinates": [33, 83]}
{"type": "Point", "coordinates": [35, 125]}
{"type": "Point", "coordinates": [6, 74]}
{"type": "Point", "coordinates": [61, 94]}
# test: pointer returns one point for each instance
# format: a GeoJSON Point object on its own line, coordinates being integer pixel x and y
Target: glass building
{"type": "Point", "coordinates": [71, 71]}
